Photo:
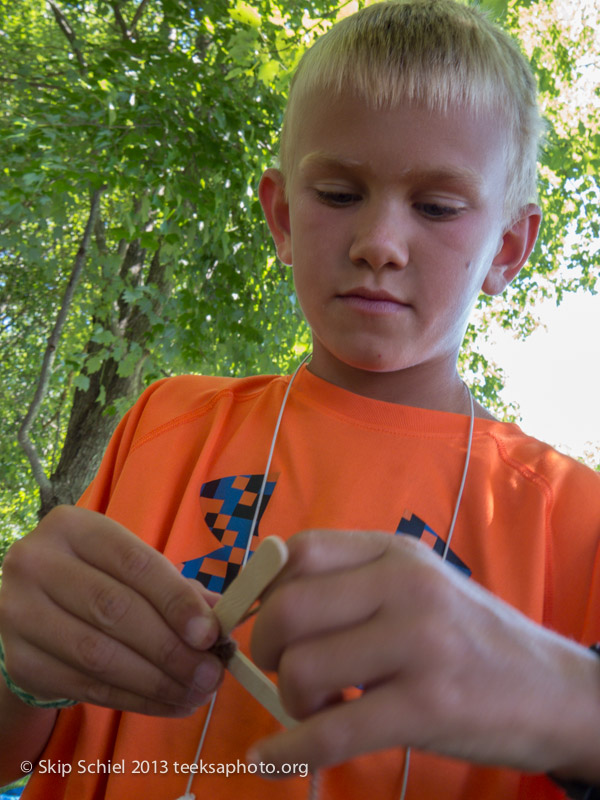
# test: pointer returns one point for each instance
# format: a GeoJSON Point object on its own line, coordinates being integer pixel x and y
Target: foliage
{"type": "Point", "coordinates": [165, 112]}
{"type": "Point", "coordinates": [561, 41]}
{"type": "Point", "coordinates": [170, 112]}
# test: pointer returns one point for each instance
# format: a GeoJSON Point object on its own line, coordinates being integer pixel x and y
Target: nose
{"type": "Point", "coordinates": [381, 236]}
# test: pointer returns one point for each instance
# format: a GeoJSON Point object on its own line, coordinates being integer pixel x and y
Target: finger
{"type": "Point", "coordinates": [314, 671]}
{"type": "Point", "coordinates": [347, 587]}
{"type": "Point", "coordinates": [54, 679]}
{"type": "Point", "coordinates": [53, 629]}
{"type": "Point", "coordinates": [317, 551]}
{"type": "Point", "coordinates": [313, 606]}
{"type": "Point", "coordinates": [209, 597]}
{"type": "Point", "coordinates": [117, 610]}
{"type": "Point", "coordinates": [88, 665]}
{"type": "Point", "coordinates": [116, 551]}
{"type": "Point", "coordinates": [337, 734]}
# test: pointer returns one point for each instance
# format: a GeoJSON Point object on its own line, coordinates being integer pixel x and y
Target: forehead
{"type": "Point", "coordinates": [344, 133]}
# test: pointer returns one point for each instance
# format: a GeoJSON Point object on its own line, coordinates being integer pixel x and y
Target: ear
{"type": "Point", "coordinates": [272, 196]}
{"type": "Point", "coordinates": [515, 248]}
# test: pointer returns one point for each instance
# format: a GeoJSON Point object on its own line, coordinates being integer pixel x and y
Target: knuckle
{"type": "Point", "coordinates": [170, 653]}
{"type": "Point", "coordinates": [307, 549]}
{"type": "Point", "coordinates": [100, 694]}
{"type": "Point", "coordinates": [96, 653]}
{"type": "Point", "coordinates": [180, 603]}
{"type": "Point", "coordinates": [19, 559]}
{"type": "Point", "coordinates": [109, 605]}
{"type": "Point", "coordinates": [62, 520]}
{"type": "Point", "coordinates": [60, 516]}
{"type": "Point", "coordinates": [135, 561]}
{"type": "Point", "coordinates": [12, 557]}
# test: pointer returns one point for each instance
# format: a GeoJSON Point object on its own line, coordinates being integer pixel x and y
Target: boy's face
{"type": "Point", "coordinates": [393, 222]}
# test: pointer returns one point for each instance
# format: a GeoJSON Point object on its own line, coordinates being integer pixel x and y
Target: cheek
{"type": "Point", "coordinates": [462, 261]}
{"type": "Point", "coordinates": [307, 283]}
{"type": "Point", "coordinates": [307, 240]}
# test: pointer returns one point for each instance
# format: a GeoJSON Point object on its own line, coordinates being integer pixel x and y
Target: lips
{"type": "Point", "coordinates": [376, 301]}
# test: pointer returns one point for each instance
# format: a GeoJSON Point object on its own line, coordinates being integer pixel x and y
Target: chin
{"type": "Point", "coordinates": [379, 365]}
{"type": "Point", "coordinates": [366, 359]}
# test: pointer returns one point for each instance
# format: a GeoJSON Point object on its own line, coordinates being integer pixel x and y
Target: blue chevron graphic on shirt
{"type": "Point", "coordinates": [229, 504]}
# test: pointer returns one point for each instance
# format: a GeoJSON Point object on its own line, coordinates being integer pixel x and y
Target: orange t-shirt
{"type": "Point", "coordinates": [183, 471]}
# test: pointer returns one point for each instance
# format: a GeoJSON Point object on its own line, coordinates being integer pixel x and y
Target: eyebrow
{"type": "Point", "coordinates": [322, 159]}
{"type": "Point", "coordinates": [457, 176]}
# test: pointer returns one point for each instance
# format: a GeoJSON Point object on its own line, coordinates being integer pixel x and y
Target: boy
{"type": "Point", "coordinates": [406, 182]}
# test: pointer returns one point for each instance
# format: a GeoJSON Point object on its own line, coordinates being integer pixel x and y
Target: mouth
{"type": "Point", "coordinates": [372, 301]}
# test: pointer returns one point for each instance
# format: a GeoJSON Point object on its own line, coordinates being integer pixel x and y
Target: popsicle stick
{"type": "Point", "coordinates": [232, 606]}
{"type": "Point", "coordinates": [260, 687]}
{"type": "Point", "coordinates": [261, 569]}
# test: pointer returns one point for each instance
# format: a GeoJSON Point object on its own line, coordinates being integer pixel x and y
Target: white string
{"type": "Point", "coordinates": [188, 795]}
{"type": "Point", "coordinates": [313, 788]}
{"type": "Point", "coordinates": [406, 769]}
{"type": "Point", "coordinates": [464, 475]}
{"type": "Point", "coordinates": [405, 772]}
{"type": "Point", "coordinates": [270, 458]}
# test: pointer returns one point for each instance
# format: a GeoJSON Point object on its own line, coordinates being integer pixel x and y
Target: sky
{"type": "Point", "coordinates": [554, 375]}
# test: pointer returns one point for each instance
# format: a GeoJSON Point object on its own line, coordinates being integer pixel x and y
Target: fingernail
{"type": "Point", "coordinates": [198, 632]}
{"type": "Point", "coordinates": [207, 675]}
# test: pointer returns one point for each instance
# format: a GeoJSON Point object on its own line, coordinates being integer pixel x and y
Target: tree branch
{"type": "Point", "coordinates": [68, 32]}
{"type": "Point", "coordinates": [100, 236]}
{"type": "Point", "coordinates": [120, 21]}
{"type": "Point", "coordinates": [128, 30]}
{"type": "Point", "coordinates": [137, 15]}
{"type": "Point", "coordinates": [46, 370]}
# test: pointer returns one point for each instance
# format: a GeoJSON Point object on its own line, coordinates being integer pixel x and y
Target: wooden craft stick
{"type": "Point", "coordinates": [261, 569]}
{"type": "Point", "coordinates": [260, 687]}
{"type": "Point", "coordinates": [232, 606]}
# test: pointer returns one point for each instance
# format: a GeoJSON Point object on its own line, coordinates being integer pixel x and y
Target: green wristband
{"type": "Point", "coordinates": [30, 699]}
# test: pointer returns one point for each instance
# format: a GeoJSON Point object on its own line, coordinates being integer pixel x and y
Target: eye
{"type": "Point", "coordinates": [336, 199]}
{"type": "Point", "coordinates": [438, 211]}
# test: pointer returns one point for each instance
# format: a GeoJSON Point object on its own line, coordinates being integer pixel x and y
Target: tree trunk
{"type": "Point", "coordinates": [90, 428]}
{"type": "Point", "coordinates": [88, 434]}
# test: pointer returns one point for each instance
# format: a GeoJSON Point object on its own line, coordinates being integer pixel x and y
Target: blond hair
{"type": "Point", "coordinates": [435, 52]}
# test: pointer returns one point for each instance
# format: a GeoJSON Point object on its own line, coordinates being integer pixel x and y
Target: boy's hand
{"type": "Point", "coordinates": [445, 666]}
{"type": "Point", "coordinates": [90, 612]}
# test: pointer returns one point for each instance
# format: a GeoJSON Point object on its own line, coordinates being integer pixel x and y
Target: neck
{"type": "Point", "coordinates": [435, 385]}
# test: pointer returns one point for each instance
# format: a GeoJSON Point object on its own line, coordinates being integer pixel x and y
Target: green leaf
{"type": "Point", "coordinates": [81, 382]}
{"type": "Point", "coordinates": [245, 13]}
{"type": "Point", "coordinates": [268, 71]}
{"type": "Point", "coordinates": [93, 364]}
